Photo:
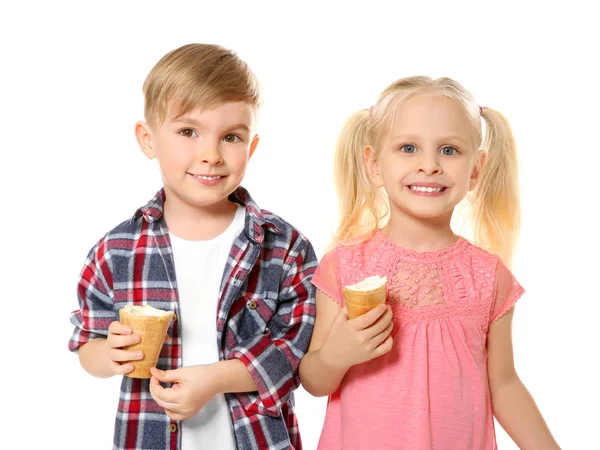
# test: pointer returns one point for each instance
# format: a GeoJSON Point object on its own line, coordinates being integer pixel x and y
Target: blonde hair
{"type": "Point", "coordinates": [495, 205]}
{"type": "Point", "coordinates": [198, 75]}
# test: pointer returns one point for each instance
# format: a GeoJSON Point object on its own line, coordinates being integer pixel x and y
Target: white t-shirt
{"type": "Point", "coordinates": [199, 267]}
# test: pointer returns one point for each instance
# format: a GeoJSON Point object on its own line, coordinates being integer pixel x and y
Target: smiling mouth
{"type": "Point", "coordinates": [208, 177]}
{"type": "Point", "coordinates": [426, 189]}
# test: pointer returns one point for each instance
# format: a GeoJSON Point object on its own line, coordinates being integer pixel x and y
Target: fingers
{"type": "Point", "coordinates": [171, 395]}
{"type": "Point", "coordinates": [380, 325]}
{"type": "Point", "coordinates": [120, 356]}
{"type": "Point", "coordinates": [175, 415]}
{"type": "Point", "coordinates": [384, 348]}
{"type": "Point", "coordinates": [165, 376]}
{"type": "Point", "coordinates": [121, 369]}
{"type": "Point", "coordinates": [121, 336]}
{"type": "Point", "coordinates": [381, 337]}
{"type": "Point", "coordinates": [165, 397]}
{"type": "Point", "coordinates": [117, 327]}
{"type": "Point", "coordinates": [368, 319]}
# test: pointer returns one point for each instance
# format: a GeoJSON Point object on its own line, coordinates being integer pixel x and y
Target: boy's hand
{"type": "Point", "coordinates": [192, 388]}
{"type": "Point", "coordinates": [120, 336]}
{"type": "Point", "coordinates": [355, 341]}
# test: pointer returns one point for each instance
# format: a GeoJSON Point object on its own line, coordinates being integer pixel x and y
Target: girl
{"type": "Point", "coordinates": [432, 368]}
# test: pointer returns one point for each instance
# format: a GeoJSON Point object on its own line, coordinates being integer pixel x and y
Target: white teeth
{"type": "Point", "coordinates": [426, 189]}
{"type": "Point", "coordinates": [202, 177]}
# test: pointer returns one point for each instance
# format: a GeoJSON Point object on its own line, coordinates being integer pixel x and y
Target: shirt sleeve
{"type": "Point", "coordinates": [273, 358]}
{"type": "Point", "coordinates": [94, 293]}
{"type": "Point", "coordinates": [327, 278]}
{"type": "Point", "coordinates": [507, 291]}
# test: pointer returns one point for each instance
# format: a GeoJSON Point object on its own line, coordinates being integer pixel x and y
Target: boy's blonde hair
{"type": "Point", "coordinates": [198, 75]}
{"type": "Point", "coordinates": [495, 205]}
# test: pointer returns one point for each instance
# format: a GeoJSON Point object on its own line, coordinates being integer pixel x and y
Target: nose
{"type": "Point", "coordinates": [429, 163]}
{"type": "Point", "coordinates": [209, 152]}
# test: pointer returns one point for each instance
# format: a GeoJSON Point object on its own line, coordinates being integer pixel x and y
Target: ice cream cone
{"type": "Point", "coordinates": [151, 325]}
{"type": "Point", "coordinates": [362, 297]}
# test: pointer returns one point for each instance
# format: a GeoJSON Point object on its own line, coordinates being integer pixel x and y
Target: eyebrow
{"type": "Point", "coordinates": [188, 120]}
{"type": "Point", "coordinates": [414, 137]}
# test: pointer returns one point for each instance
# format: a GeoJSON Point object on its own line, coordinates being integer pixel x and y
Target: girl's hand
{"type": "Point", "coordinates": [120, 336]}
{"type": "Point", "coordinates": [355, 341]}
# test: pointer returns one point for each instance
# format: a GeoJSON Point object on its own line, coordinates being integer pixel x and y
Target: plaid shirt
{"type": "Point", "coordinates": [265, 319]}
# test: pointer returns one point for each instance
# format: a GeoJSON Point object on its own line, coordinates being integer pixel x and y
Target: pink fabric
{"type": "Point", "coordinates": [430, 392]}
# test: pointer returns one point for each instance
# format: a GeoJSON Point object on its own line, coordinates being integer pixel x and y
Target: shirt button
{"type": "Point", "coordinates": [173, 428]}
{"type": "Point", "coordinates": [252, 304]}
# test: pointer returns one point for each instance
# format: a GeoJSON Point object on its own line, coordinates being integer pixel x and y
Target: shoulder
{"type": "Point", "coordinates": [487, 265]}
{"type": "Point", "coordinates": [124, 236]}
{"type": "Point", "coordinates": [278, 226]}
{"type": "Point", "coordinates": [285, 239]}
{"type": "Point", "coordinates": [479, 257]}
{"type": "Point", "coordinates": [349, 250]}
{"type": "Point", "coordinates": [265, 226]}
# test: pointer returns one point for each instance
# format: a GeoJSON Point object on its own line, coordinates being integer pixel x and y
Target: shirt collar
{"type": "Point", "coordinates": [256, 222]}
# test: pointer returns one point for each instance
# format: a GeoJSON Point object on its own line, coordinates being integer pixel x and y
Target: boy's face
{"type": "Point", "coordinates": [203, 154]}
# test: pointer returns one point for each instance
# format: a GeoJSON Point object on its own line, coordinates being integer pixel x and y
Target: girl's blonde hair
{"type": "Point", "coordinates": [198, 75]}
{"type": "Point", "coordinates": [495, 206]}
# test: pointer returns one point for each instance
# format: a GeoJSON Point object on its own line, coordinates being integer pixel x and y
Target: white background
{"type": "Point", "coordinates": [71, 90]}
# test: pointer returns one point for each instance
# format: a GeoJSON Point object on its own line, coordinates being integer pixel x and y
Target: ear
{"type": "Point", "coordinates": [143, 134]}
{"type": "Point", "coordinates": [372, 165]}
{"type": "Point", "coordinates": [253, 145]}
{"type": "Point", "coordinates": [476, 173]}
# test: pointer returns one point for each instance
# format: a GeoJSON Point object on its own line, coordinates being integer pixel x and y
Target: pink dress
{"type": "Point", "coordinates": [431, 391]}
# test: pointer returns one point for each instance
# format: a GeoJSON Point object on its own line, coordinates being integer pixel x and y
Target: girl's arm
{"type": "Point", "coordinates": [318, 377]}
{"type": "Point", "coordinates": [338, 343]}
{"type": "Point", "coordinates": [513, 405]}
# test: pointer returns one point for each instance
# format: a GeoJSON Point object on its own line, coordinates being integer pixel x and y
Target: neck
{"type": "Point", "coordinates": [421, 235]}
{"type": "Point", "coordinates": [197, 223]}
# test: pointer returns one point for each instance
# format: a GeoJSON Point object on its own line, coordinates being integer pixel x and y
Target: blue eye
{"type": "Point", "coordinates": [232, 139]}
{"type": "Point", "coordinates": [408, 148]}
{"type": "Point", "coordinates": [448, 151]}
{"type": "Point", "coordinates": [188, 132]}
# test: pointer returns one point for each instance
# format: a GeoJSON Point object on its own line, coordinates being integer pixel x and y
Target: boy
{"type": "Point", "coordinates": [201, 245]}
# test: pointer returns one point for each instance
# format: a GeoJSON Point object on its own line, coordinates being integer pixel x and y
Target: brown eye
{"type": "Point", "coordinates": [232, 138]}
{"type": "Point", "coordinates": [187, 132]}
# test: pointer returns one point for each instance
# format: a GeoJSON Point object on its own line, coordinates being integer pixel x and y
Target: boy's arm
{"type": "Point", "coordinates": [95, 312]}
{"type": "Point", "coordinates": [513, 405]}
{"type": "Point", "coordinates": [272, 359]}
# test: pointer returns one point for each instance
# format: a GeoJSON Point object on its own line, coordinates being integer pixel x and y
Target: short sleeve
{"type": "Point", "coordinates": [507, 291]}
{"type": "Point", "coordinates": [327, 277]}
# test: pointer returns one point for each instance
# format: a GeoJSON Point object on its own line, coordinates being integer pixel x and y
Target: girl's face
{"type": "Point", "coordinates": [428, 161]}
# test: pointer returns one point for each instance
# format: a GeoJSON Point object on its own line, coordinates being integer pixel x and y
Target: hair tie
{"type": "Point", "coordinates": [371, 111]}
{"type": "Point", "coordinates": [481, 111]}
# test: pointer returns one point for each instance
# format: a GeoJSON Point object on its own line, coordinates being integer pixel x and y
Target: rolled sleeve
{"type": "Point", "coordinates": [273, 358]}
{"type": "Point", "coordinates": [94, 294]}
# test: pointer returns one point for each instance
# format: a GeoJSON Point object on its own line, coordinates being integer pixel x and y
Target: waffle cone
{"type": "Point", "coordinates": [361, 302]}
{"type": "Point", "coordinates": [152, 331]}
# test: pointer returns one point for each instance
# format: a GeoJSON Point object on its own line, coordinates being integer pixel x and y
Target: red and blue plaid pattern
{"type": "Point", "coordinates": [270, 266]}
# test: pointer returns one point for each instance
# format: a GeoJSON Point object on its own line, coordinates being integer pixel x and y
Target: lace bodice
{"type": "Point", "coordinates": [461, 279]}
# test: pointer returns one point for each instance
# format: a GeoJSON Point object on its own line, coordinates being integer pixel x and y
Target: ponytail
{"type": "Point", "coordinates": [496, 209]}
{"type": "Point", "coordinates": [361, 205]}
